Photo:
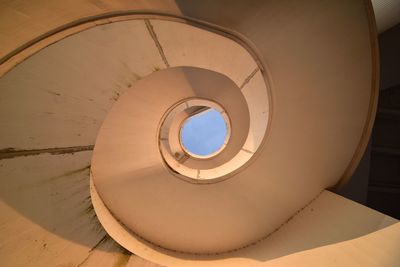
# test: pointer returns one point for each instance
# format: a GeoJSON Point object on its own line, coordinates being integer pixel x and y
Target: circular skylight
{"type": "Point", "coordinates": [205, 133]}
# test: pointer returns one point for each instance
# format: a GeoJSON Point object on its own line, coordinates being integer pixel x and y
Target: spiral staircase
{"type": "Point", "coordinates": [93, 97]}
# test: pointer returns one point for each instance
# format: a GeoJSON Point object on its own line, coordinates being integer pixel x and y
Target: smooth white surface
{"type": "Point", "coordinates": [331, 225]}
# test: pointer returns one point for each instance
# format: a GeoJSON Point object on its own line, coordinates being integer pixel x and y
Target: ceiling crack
{"type": "Point", "coordinates": [248, 78]}
{"type": "Point", "coordinates": [156, 41]}
{"type": "Point", "coordinates": [8, 153]}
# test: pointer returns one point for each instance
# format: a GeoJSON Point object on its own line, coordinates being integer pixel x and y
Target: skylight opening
{"type": "Point", "coordinates": [204, 134]}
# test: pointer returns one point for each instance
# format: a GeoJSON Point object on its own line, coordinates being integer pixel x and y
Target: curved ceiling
{"type": "Point", "coordinates": [319, 64]}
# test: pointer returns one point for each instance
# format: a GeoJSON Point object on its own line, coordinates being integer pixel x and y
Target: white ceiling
{"type": "Point", "coordinates": [387, 13]}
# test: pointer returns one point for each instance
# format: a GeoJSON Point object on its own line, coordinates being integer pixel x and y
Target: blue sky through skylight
{"type": "Point", "coordinates": [204, 133]}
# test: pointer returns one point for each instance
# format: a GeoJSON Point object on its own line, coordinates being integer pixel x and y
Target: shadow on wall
{"type": "Point", "coordinates": [51, 191]}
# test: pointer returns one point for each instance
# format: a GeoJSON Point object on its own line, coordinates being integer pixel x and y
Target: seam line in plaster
{"type": "Point", "coordinates": [184, 158]}
{"type": "Point", "coordinates": [248, 78]}
{"type": "Point", "coordinates": [8, 153]}
{"type": "Point", "coordinates": [156, 41]}
{"type": "Point", "coordinates": [102, 240]}
{"type": "Point", "coordinates": [248, 151]}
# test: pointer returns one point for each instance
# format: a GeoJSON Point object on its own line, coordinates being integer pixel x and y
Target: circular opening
{"type": "Point", "coordinates": [205, 133]}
